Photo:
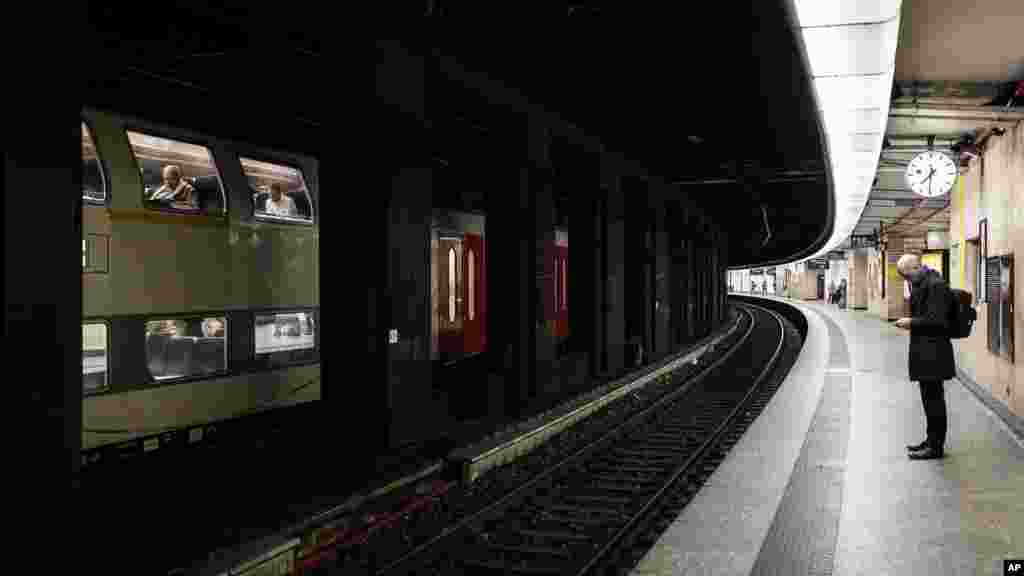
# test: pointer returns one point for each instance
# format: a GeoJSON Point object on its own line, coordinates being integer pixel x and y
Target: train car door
{"type": "Point", "coordinates": [450, 291]}
{"type": "Point", "coordinates": [474, 319]}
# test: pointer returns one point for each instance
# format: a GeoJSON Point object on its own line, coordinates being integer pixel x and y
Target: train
{"type": "Point", "coordinates": [458, 285]}
{"type": "Point", "coordinates": [200, 283]}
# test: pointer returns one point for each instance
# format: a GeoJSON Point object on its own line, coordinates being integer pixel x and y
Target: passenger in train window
{"type": "Point", "coordinates": [164, 328]}
{"type": "Point", "coordinates": [175, 189]}
{"type": "Point", "coordinates": [280, 203]}
{"type": "Point", "coordinates": [213, 328]}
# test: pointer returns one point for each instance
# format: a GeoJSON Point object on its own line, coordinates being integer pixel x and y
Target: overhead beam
{"type": "Point", "coordinates": [956, 111]}
{"type": "Point", "coordinates": [952, 121]}
{"type": "Point", "coordinates": [941, 92]}
{"type": "Point", "coordinates": [785, 177]}
{"type": "Point", "coordinates": [942, 126]}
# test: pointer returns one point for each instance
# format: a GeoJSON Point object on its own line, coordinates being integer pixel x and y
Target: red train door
{"type": "Point", "coordinates": [475, 294]}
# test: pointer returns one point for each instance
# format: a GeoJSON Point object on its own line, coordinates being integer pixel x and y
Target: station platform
{"type": "Point", "coordinates": [821, 482]}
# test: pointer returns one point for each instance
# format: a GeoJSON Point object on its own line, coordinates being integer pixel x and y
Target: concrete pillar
{"type": "Point", "coordinates": [662, 273]}
{"type": "Point", "coordinates": [895, 304]}
{"type": "Point", "coordinates": [858, 269]}
{"type": "Point", "coordinates": [540, 184]}
{"type": "Point", "coordinates": [678, 278]}
{"type": "Point", "coordinates": [411, 402]}
{"type": "Point", "coordinates": [638, 269]}
{"type": "Point", "coordinates": [585, 249]}
{"type": "Point", "coordinates": [43, 302]}
{"type": "Point", "coordinates": [615, 259]}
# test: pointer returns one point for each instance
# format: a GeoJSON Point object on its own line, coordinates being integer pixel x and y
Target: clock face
{"type": "Point", "coordinates": [931, 174]}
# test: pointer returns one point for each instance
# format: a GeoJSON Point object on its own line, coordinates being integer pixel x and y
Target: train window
{"type": "Point", "coordinates": [565, 282]}
{"type": "Point", "coordinates": [458, 287]}
{"type": "Point", "coordinates": [451, 284]}
{"type": "Point", "coordinates": [278, 192]}
{"type": "Point", "coordinates": [557, 291]}
{"type": "Point", "coordinates": [94, 187]}
{"type": "Point", "coordinates": [186, 347]}
{"type": "Point", "coordinates": [177, 175]}
{"type": "Point", "coordinates": [557, 284]}
{"type": "Point", "coordinates": [94, 357]}
{"type": "Point", "coordinates": [470, 276]}
{"type": "Point", "coordinates": [284, 332]}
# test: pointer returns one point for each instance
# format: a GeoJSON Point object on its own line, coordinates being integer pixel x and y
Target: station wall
{"type": "Point", "coordinates": [992, 191]}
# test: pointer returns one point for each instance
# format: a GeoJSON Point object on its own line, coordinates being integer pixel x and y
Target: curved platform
{"type": "Point", "coordinates": [821, 483]}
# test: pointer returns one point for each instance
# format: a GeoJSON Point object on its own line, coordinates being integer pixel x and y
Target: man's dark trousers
{"type": "Point", "coordinates": [934, 399]}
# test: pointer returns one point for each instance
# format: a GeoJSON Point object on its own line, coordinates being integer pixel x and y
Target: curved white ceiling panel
{"type": "Point", "coordinates": [851, 48]}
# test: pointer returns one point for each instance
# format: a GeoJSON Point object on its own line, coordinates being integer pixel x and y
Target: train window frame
{"type": "Point", "coordinates": [204, 143]}
{"type": "Point", "coordinates": [228, 370]}
{"type": "Point", "coordinates": [284, 358]}
{"type": "Point", "coordinates": [276, 218]}
{"type": "Point", "coordinates": [83, 121]}
{"type": "Point", "coordinates": [107, 387]}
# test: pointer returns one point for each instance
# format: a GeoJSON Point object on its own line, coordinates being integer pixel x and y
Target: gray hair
{"type": "Point", "coordinates": [907, 260]}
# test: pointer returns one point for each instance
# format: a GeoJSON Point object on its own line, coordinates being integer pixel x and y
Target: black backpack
{"type": "Point", "coordinates": [961, 314]}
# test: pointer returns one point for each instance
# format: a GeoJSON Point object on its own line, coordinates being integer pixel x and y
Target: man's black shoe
{"type": "Point", "coordinates": [918, 447]}
{"type": "Point", "coordinates": [929, 453]}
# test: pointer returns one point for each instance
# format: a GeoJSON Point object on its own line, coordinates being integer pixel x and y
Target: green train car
{"type": "Point", "coordinates": [200, 283]}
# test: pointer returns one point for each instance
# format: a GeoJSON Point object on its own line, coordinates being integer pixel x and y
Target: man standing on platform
{"type": "Point", "coordinates": [931, 352]}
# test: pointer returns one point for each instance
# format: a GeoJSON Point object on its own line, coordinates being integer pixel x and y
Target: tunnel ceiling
{"type": "Point", "coordinates": [716, 101]}
{"type": "Point", "coordinates": [188, 67]}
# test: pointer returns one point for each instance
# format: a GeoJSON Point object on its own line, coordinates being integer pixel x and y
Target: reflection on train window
{"type": "Point", "coordinates": [458, 289]}
{"type": "Point", "coordinates": [183, 347]}
{"type": "Point", "coordinates": [278, 192]}
{"type": "Point", "coordinates": [177, 175]}
{"type": "Point", "coordinates": [94, 357]}
{"type": "Point", "coordinates": [558, 282]}
{"type": "Point", "coordinates": [284, 332]}
{"type": "Point", "coordinates": [558, 313]}
{"type": "Point", "coordinates": [469, 275]}
{"type": "Point", "coordinates": [565, 280]}
{"type": "Point", "coordinates": [93, 183]}
{"type": "Point", "coordinates": [452, 276]}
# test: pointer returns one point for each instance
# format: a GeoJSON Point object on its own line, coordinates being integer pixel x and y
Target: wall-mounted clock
{"type": "Point", "coordinates": [931, 174]}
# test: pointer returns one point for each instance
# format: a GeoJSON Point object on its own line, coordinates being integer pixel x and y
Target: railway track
{"type": "Point", "coordinates": [594, 510]}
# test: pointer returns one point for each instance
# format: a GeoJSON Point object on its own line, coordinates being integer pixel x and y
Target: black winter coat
{"type": "Point", "coordinates": [931, 352]}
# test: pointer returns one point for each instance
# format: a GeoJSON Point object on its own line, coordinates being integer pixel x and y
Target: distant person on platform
{"type": "Point", "coordinates": [931, 352]}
